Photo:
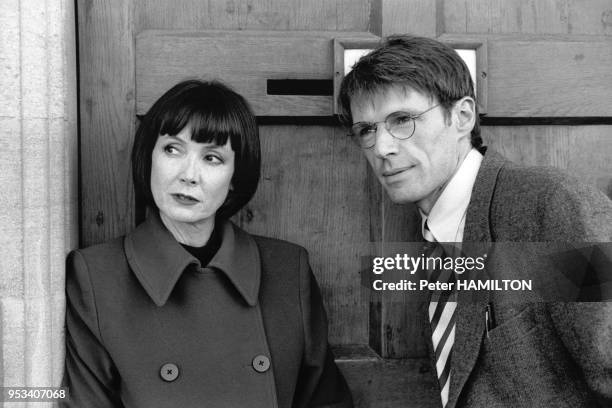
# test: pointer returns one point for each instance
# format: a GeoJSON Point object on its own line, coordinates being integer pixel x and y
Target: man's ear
{"type": "Point", "coordinates": [465, 112]}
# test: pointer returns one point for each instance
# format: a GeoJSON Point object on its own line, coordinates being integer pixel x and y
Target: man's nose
{"type": "Point", "coordinates": [384, 144]}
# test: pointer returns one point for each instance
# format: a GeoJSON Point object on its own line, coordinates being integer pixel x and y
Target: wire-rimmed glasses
{"type": "Point", "coordinates": [400, 125]}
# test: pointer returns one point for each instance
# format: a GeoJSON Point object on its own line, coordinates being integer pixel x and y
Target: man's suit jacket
{"type": "Point", "coordinates": [539, 354]}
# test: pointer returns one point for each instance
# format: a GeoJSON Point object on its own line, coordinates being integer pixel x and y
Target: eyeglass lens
{"type": "Point", "coordinates": [399, 124]}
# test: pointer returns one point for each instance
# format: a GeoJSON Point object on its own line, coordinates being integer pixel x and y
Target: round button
{"type": "Point", "coordinates": [261, 363]}
{"type": "Point", "coordinates": [169, 372]}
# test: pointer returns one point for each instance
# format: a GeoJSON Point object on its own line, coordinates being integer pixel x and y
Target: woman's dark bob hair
{"type": "Point", "coordinates": [215, 113]}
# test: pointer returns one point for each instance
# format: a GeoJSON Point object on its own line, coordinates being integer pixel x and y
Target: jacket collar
{"type": "Point", "coordinates": [477, 222]}
{"type": "Point", "coordinates": [158, 260]}
{"type": "Point", "coordinates": [471, 306]}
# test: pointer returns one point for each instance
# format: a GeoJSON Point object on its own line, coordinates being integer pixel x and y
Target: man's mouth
{"type": "Point", "coordinates": [395, 171]}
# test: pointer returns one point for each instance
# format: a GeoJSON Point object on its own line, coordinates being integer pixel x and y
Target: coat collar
{"type": "Point", "coordinates": [158, 260]}
{"type": "Point", "coordinates": [471, 305]}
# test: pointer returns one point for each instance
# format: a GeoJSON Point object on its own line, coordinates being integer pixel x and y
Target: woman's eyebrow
{"type": "Point", "coordinates": [175, 137]}
{"type": "Point", "coordinates": [214, 146]}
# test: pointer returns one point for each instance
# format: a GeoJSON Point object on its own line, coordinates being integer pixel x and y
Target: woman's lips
{"type": "Point", "coordinates": [185, 199]}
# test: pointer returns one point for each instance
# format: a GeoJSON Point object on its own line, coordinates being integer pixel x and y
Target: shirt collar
{"type": "Point", "coordinates": [158, 260]}
{"type": "Point", "coordinates": [447, 217]}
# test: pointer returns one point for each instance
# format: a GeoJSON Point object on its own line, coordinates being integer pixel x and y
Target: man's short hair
{"type": "Point", "coordinates": [215, 114]}
{"type": "Point", "coordinates": [419, 63]}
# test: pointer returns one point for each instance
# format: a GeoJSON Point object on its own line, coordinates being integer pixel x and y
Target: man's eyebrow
{"type": "Point", "coordinates": [409, 111]}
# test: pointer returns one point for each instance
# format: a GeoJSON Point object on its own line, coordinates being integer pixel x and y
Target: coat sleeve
{"type": "Point", "coordinates": [320, 382]}
{"type": "Point", "coordinates": [581, 214]}
{"type": "Point", "coordinates": [585, 329]}
{"type": "Point", "coordinates": [90, 374]}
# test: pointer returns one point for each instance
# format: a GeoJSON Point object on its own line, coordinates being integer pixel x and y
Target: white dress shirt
{"type": "Point", "coordinates": [446, 220]}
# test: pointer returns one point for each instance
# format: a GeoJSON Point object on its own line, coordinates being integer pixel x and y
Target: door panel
{"type": "Point", "coordinates": [107, 118]}
{"type": "Point", "coordinates": [592, 17]}
{"type": "Point", "coordinates": [312, 193]}
{"type": "Point", "coordinates": [547, 60]}
{"type": "Point", "coordinates": [340, 15]}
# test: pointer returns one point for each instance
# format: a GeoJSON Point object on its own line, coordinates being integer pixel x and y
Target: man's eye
{"type": "Point", "coordinates": [367, 130]}
{"type": "Point", "coordinates": [364, 130]}
{"type": "Point", "coordinates": [400, 120]}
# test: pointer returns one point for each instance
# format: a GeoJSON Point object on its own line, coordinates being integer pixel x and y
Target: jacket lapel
{"type": "Point", "coordinates": [471, 304]}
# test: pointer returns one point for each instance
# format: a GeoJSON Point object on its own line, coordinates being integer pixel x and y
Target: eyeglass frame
{"type": "Point", "coordinates": [375, 126]}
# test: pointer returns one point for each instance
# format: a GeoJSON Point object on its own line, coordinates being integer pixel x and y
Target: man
{"type": "Point", "coordinates": [411, 107]}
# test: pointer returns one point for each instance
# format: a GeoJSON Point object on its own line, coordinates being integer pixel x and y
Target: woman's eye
{"type": "Point", "coordinates": [211, 158]}
{"type": "Point", "coordinates": [171, 149]}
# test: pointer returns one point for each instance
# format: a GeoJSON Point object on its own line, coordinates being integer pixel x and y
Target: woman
{"type": "Point", "coordinates": [188, 310]}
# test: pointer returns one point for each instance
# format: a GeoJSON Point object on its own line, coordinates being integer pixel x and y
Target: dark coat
{"type": "Point", "coordinates": [542, 353]}
{"type": "Point", "coordinates": [148, 326]}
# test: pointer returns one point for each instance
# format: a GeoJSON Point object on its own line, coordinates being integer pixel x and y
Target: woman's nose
{"type": "Point", "coordinates": [188, 180]}
{"type": "Point", "coordinates": [189, 172]}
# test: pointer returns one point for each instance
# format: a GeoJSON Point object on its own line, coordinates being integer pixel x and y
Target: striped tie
{"type": "Point", "coordinates": [441, 317]}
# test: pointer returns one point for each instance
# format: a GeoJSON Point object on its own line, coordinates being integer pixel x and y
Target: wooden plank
{"type": "Point", "coordinates": [312, 192]}
{"type": "Point", "coordinates": [548, 76]}
{"type": "Point", "coordinates": [245, 60]}
{"type": "Point", "coordinates": [582, 151]}
{"type": "Point", "coordinates": [404, 334]}
{"type": "Point", "coordinates": [419, 17]}
{"type": "Point", "coordinates": [344, 15]}
{"type": "Point", "coordinates": [396, 331]}
{"type": "Point", "coordinates": [406, 383]}
{"type": "Point", "coordinates": [106, 66]}
{"type": "Point", "coordinates": [376, 198]}
{"type": "Point", "coordinates": [315, 14]}
{"type": "Point", "coordinates": [455, 17]}
{"type": "Point", "coordinates": [376, 17]}
{"type": "Point", "coordinates": [528, 16]}
{"type": "Point", "coordinates": [473, 10]}
{"type": "Point", "coordinates": [590, 17]}
{"type": "Point", "coordinates": [579, 66]}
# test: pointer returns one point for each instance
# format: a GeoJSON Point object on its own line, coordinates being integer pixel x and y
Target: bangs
{"type": "Point", "coordinates": [210, 120]}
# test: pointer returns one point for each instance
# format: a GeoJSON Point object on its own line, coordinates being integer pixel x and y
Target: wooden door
{"type": "Point", "coordinates": [549, 102]}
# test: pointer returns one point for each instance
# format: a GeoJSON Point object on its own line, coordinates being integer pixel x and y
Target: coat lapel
{"type": "Point", "coordinates": [471, 304]}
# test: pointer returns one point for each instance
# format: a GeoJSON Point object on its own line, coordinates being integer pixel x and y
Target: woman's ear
{"type": "Point", "coordinates": [465, 110]}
